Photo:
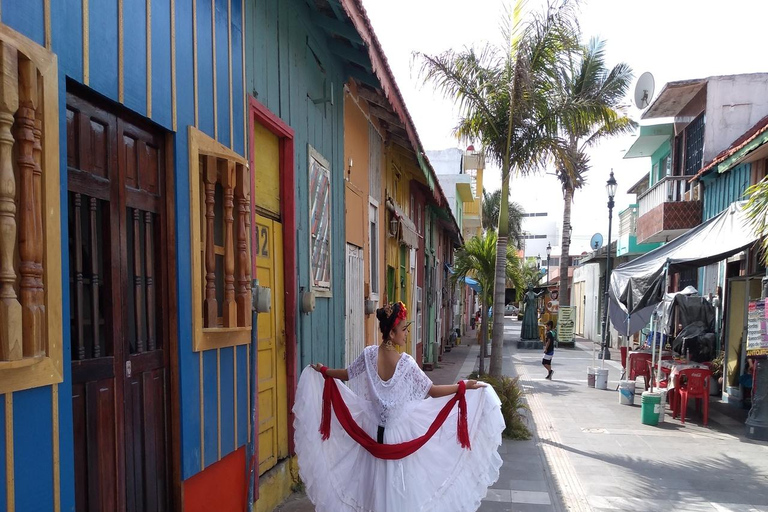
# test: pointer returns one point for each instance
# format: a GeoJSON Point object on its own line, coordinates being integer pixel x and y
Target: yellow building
{"type": "Point", "coordinates": [474, 166]}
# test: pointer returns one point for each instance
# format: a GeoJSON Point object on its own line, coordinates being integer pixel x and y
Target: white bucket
{"type": "Point", "coordinates": [662, 405]}
{"type": "Point", "coordinates": [601, 379]}
{"type": "Point", "coordinates": [627, 392]}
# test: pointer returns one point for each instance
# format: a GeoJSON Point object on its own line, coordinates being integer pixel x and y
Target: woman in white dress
{"type": "Point", "coordinates": [392, 440]}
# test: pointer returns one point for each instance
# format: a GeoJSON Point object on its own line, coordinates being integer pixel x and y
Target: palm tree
{"type": "Point", "coordinates": [596, 94]}
{"type": "Point", "coordinates": [757, 212]}
{"type": "Point", "coordinates": [477, 259]}
{"type": "Point", "coordinates": [491, 207]}
{"type": "Point", "coordinates": [531, 273]}
{"type": "Point", "coordinates": [507, 101]}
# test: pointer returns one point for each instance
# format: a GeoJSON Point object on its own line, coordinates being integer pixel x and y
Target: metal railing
{"type": "Point", "coordinates": [668, 190]}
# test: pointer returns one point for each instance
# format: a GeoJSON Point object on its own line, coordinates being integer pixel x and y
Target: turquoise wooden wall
{"type": "Point", "coordinates": [287, 63]}
{"type": "Point", "coordinates": [721, 189]}
{"type": "Point", "coordinates": [33, 463]}
{"type": "Point", "coordinates": [656, 157]}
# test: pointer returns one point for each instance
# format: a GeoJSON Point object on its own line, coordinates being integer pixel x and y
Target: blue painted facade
{"type": "Point", "coordinates": [288, 65]}
{"type": "Point", "coordinates": [32, 409]}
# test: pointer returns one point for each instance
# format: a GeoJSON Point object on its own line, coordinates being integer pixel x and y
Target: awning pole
{"type": "Point", "coordinates": [654, 326]}
{"type": "Point", "coordinates": [665, 320]}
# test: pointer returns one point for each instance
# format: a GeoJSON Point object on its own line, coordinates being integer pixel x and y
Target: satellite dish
{"type": "Point", "coordinates": [644, 90]}
{"type": "Point", "coordinates": [596, 242]}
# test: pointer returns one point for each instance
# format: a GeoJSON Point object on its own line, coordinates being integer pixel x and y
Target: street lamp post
{"type": "Point", "coordinates": [549, 251]}
{"type": "Point", "coordinates": [610, 187]}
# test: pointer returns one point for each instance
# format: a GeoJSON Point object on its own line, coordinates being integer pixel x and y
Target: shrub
{"type": "Point", "coordinates": [511, 395]}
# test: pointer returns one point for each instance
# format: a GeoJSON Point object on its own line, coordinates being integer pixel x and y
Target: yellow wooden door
{"type": "Point", "coordinates": [272, 381]}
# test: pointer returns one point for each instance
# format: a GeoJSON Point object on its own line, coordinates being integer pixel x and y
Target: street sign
{"type": "Point", "coordinates": [757, 329]}
{"type": "Point", "coordinates": [565, 318]}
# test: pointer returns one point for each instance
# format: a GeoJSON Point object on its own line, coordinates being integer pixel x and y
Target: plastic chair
{"type": "Point", "coordinates": [663, 383]}
{"type": "Point", "coordinates": [639, 368]}
{"type": "Point", "coordinates": [694, 384]}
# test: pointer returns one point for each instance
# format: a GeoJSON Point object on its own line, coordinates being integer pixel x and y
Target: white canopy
{"type": "Point", "coordinates": [637, 286]}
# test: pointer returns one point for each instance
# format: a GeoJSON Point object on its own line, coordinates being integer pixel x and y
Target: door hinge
{"type": "Point", "coordinates": [128, 369]}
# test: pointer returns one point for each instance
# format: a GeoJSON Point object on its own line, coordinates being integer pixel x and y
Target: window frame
{"type": "Point", "coordinates": [48, 369]}
{"type": "Point", "coordinates": [207, 338]}
{"type": "Point", "coordinates": [373, 256]}
{"type": "Point", "coordinates": [324, 288]}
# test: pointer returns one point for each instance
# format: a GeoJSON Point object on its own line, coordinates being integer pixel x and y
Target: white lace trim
{"type": "Point", "coordinates": [407, 384]}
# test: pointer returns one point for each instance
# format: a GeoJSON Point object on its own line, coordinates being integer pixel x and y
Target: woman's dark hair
{"type": "Point", "coordinates": [388, 317]}
{"type": "Point", "coordinates": [550, 324]}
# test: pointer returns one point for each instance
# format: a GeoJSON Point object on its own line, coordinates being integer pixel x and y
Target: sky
{"type": "Point", "coordinates": [672, 39]}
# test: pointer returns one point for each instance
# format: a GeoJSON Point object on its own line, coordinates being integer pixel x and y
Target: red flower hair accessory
{"type": "Point", "coordinates": [402, 313]}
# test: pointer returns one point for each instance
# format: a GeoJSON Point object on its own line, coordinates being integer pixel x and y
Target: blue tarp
{"type": "Point", "coordinates": [472, 283]}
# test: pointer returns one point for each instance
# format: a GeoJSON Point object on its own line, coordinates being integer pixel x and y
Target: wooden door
{"type": "Point", "coordinates": [118, 291]}
{"type": "Point", "coordinates": [355, 328]}
{"type": "Point", "coordinates": [272, 374]}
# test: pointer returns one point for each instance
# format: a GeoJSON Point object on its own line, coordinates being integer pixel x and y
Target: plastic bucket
{"type": "Point", "coordinates": [591, 377]}
{"type": "Point", "coordinates": [651, 407]}
{"type": "Point", "coordinates": [601, 379]}
{"type": "Point", "coordinates": [662, 405]}
{"type": "Point", "coordinates": [627, 392]}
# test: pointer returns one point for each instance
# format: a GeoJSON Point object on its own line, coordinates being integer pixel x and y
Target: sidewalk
{"type": "Point", "coordinates": [524, 484]}
{"type": "Point", "coordinates": [603, 458]}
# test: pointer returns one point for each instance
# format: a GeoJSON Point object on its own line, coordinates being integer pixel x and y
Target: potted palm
{"type": "Point", "coordinates": [716, 381]}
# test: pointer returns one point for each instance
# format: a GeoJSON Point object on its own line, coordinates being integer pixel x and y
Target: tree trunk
{"type": "Point", "coordinates": [500, 281]}
{"type": "Point", "coordinates": [483, 334]}
{"type": "Point", "coordinates": [563, 297]}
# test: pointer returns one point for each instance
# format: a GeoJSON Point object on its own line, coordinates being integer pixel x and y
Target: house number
{"type": "Point", "coordinates": [262, 241]}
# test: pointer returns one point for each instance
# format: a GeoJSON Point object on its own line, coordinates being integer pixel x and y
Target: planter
{"type": "Point", "coordinates": [714, 387]}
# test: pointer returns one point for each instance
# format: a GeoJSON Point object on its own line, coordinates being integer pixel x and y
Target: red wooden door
{"type": "Point", "coordinates": [118, 292]}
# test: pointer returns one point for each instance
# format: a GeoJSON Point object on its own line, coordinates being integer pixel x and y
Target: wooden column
{"type": "Point", "coordinates": [210, 308]}
{"type": "Point", "coordinates": [39, 247]}
{"type": "Point", "coordinates": [227, 171]}
{"type": "Point", "coordinates": [11, 347]}
{"type": "Point", "coordinates": [149, 273]}
{"type": "Point", "coordinates": [78, 305]}
{"type": "Point", "coordinates": [29, 243]}
{"type": "Point", "coordinates": [138, 285]}
{"type": "Point", "coordinates": [93, 204]}
{"type": "Point", "coordinates": [242, 195]}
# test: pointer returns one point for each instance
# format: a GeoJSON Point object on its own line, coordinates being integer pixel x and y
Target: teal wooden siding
{"type": "Point", "coordinates": [662, 151]}
{"type": "Point", "coordinates": [33, 421]}
{"type": "Point", "coordinates": [288, 63]}
{"type": "Point", "coordinates": [721, 189]}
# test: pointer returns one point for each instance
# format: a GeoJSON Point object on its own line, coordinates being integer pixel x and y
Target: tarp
{"type": "Point", "coordinates": [638, 285]}
{"type": "Point", "coordinates": [472, 283]}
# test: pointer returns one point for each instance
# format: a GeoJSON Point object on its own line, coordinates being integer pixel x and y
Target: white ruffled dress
{"type": "Point", "coordinates": [341, 476]}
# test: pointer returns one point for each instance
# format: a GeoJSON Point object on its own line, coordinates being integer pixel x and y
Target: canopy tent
{"type": "Point", "coordinates": [637, 286]}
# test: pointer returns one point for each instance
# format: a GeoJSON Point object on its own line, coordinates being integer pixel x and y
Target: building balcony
{"type": "Point", "coordinates": [627, 243]}
{"type": "Point", "coordinates": [666, 211]}
{"type": "Point", "coordinates": [472, 208]}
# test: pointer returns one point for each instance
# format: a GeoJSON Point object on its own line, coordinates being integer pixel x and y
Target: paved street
{"type": "Point", "coordinates": [589, 452]}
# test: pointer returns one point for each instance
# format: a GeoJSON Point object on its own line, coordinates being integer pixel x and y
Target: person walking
{"type": "Point", "coordinates": [549, 349]}
{"type": "Point", "coordinates": [391, 440]}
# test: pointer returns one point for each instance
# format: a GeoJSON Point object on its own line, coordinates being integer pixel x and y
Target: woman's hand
{"type": "Point", "coordinates": [473, 384]}
{"type": "Point", "coordinates": [317, 367]}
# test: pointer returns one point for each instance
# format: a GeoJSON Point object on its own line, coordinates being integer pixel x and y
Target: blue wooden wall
{"type": "Point", "coordinates": [721, 189]}
{"type": "Point", "coordinates": [32, 409]}
{"type": "Point", "coordinates": [281, 73]}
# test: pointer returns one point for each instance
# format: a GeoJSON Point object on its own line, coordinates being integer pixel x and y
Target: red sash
{"type": "Point", "coordinates": [332, 397]}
